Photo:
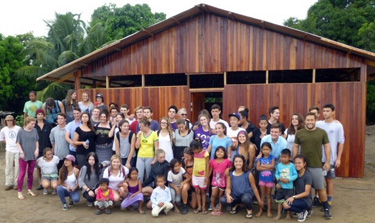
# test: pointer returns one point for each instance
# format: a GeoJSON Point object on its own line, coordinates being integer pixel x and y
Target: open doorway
{"type": "Point", "coordinates": [204, 100]}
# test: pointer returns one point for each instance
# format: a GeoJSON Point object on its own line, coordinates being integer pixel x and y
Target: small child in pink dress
{"type": "Point", "coordinates": [104, 197]}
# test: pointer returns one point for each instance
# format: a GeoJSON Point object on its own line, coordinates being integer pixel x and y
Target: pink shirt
{"type": "Point", "coordinates": [218, 173]}
{"type": "Point", "coordinates": [101, 196]}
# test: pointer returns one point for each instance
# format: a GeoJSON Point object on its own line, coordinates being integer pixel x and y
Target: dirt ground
{"type": "Point", "coordinates": [353, 202]}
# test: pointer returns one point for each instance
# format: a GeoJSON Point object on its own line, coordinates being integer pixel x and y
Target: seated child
{"type": "Point", "coordinates": [104, 197]}
{"type": "Point", "coordinates": [175, 180]}
{"type": "Point", "coordinates": [285, 174]}
{"type": "Point", "coordinates": [161, 197]}
{"type": "Point", "coordinates": [48, 165]}
{"type": "Point", "coordinates": [135, 196]}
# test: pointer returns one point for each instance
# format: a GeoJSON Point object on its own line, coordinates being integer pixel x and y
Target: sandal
{"type": "Point", "coordinates": [233, 211]}
{"type": "Point", "coordinates": [204, 212]}
{"type": "Point", "coordinates": [31, 193]}
{"type": "Point", "coordinates": [196, 211]}
{"type": "Point", "coordinates": [249, 215]}
{"type": "Point", "coordinates": [20, 196]}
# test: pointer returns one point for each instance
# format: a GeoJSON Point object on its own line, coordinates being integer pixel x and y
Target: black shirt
{"type": "Point", "coordinates": [300, 183]}
{"type": "Point", "coordinates": [102, 135]}
{"type": "Point", "coordinates": [83, 136]}
{"type": "Point", "coordinates": [44, 141]}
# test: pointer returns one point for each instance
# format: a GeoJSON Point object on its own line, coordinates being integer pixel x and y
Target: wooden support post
{"type": "Point", "coordinates": [143, 80]}
{"type": "Point", "coordinates": [267, 75]}
{"type": "Point", "coordinates": [107, 82]}
{"type": "Point", "coordinates": [313, 76]}
{"type": "Point", "coordinates": [188, 80]}
{"type": "Point", "coordinates": [225, 78]}
{"type": "Point", "coordinates": [77, 82]}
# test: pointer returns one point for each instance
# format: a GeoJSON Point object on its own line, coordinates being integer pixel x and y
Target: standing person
{"type": "Point", "coordinates": [147, 112]}
{"type": "Point", "coordinates": [277, 142]}
{"type": "Point", "coordinates": [275, 118]}
{"type": "Point", "coordinates": [124, 109]}
{"type": "Point", "coordinates": [295, 125]}
{"type": "Point", "coordinates": [147, 142]}
{"type": "Point", "coordinates": [186, 185]}
{"type": "Point", "coordinates": [203, 131]}
{"type": "Point", "coordinates": [70, 102]}
{"type": "Point", "coordinates": [31, 106]}
{"type": "Point", "coordinates": [161, 197]}
{"type": "Point", "coordinates": [301, 201]}
{"type": "Point", "coordinates": [139, 114]}
{"type": "Point", "coordinates": [52, 108]}
{"type": "Point", "coordinates": [104, 137]}
{"type": "Point", "coordinates": [316, 111]}
{"type": "Point", "coordinates": [166, 138]}
{"type": "Point", "coordinates": [172, 111]}
{"type": "Point", "coordinates": [175, 179]}
{"type": "Point", "coordinates": [12, 155]}
{"type": "Point", "coordinates": [125, 144]}
{"type": "Point", "coordinates": [68, 183]}
{"type": "Point", "coordinates": [233, 130]}
{"type": "Point", "coordinates": [218, 166]}
{"type": "Point", "coordinates": [311, 140]}
{"type": "Point", "coordinates": [247, 125]}
{"type": "Point", "coordinates": [100, 102]}
{"type": "Point", "coordinates": [135, 196]}
{"type": "Point", "coordinates": [245, 148]}
{"type": "Point", "coordinates": [200, 178]}
{"type": "Point", "coordinates": [28, 147]}
{"type": "Point", "coordinates": [104, 197]}
{"type": "Point", "coordinates": [220, 139]}
{"type": "Point", "coordinates": [86, 104]}
{"type": "Point", "coordinates": [44, 129]}
{"type": "Point", "coordinates": [184, 136]}
{"type": "Point", "coordinates": [113, 113]}
{"type": "Point", "coordinates": [84, 139]}
{"type": "Point", "coordinates": [89, 177]}
{"type": "Point", "coordinates": [241, 188]}
{"type": "Point", "coordinates": [71, 129]}
{"type": "Point", "coordinates": [95, 119]}
{"type": "Point", "coordinates": [60, 147]}
{"type": "Point", "coordinates": [260, 132]}
{"type": "Point", "coordinates": [243, 108]}
{"type": "Point", "coordinates": [336, 137]}
{"type": "Point", "coordinates": [115, 122]}
{"type": "Point", "coordinates": [116, 174]}
{"type": "Point", "coordinates": [182, 113]}
{"type": "Point", "coordinates": [266, 168]}
{"type": "Point", "coordinates": [215, 112]}
{"type": "Point", "coordinates": [48, 165]}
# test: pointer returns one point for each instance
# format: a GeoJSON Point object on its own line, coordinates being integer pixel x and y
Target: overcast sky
{"type": "Point", "coordinates": [22, 16]}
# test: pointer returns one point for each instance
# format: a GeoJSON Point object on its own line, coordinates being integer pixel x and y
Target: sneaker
{"type": "Point", "coordinates": [40, 187]}
{"type": "Point", "coordinates": [71, 203]}
{"type": "Point", "coordinates": [15, 187]}
{"type": "Point", "coordinates": [64, 207]}
{"type": "Point", "coordinates": [185, 209]}
{"type": "Point", "coordinates": [302, 216]}
{"type": "Point", "coordinates": [309, 213]}
{"type": "Point", "coordinates": [90, 204]}
{"type": "Point", "coordinates": [54, 192]}
{"type": "Point", "coordinates": [45, 191]}
{"type": "Point", "coordinates": [316, 202]}
{"type": "Point", "coordinates": [295, 215]}
{"type": "Point", "coordinates": [8, 188]}
{"type": "Point", "coordinates": [210, 208]}
{"type": "Point", "coordinates": [327, 213]}
{"type": "Point", "coordinates": [98, 212]}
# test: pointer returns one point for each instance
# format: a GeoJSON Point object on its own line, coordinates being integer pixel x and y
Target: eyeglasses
{"type": "Point", "coordinates": [184, 114]}
{"type": "Point", "coordinates": [165, 123]}
{"type": "Point", "coordinates": [9, 120]}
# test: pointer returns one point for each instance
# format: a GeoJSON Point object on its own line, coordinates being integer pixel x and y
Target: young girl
{"type": "Point", "coordinates": [186, 185]}
{"type": "Point", "coordinates": [203, 131]}
{"type": "Point", "coordinates": [86, 105]}
{"type": "Point", "coordinates": [261, 132]}
{"type": "Point", "coordinates": [68, 183]}
{"type": "Point", "coordinates": [166, 138]}
{"type": "Point", "coordinates": [135, 196]}
{"type": "Point", "coordinates": [175, 179]}
{"type": "Point", "coordinates": [200, 174]}
{"type": "Point", "coordinates": [220, 139]}
{"type": "Point", "coordinates": [266, 166]}
{"type": "Point", "coordinates": [296, 124]}
{"type": "Point", "coordinates": [104, 197]}
{"type": "Point", "coordinates": [48, 165]}
{"type": "Point", "coordinates": [218, 166]}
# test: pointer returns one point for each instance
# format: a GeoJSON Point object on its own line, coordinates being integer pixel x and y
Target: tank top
{"type": "Point", "coordinates": [124, 146]}
{"type": "Point", "coordinates": [134, 189]}
{"type": "Point", "coordinates": [240, 184]}
{"type": "Point", "coordinates": [71, 180]}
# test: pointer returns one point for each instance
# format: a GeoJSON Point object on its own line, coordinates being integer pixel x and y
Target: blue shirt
{"type": "Point", "coordinates": [71, 127]}
{"type": "Point", "coordinates": [215, 141]}
{"type": "Point", "coordinates": [287, 172]}
{"type": "Point", "coordinates": [276, 147]}
{"type": "Point", "coordinates": [266, 175]}
{"type": "Point", "coordinates": [160, 195]}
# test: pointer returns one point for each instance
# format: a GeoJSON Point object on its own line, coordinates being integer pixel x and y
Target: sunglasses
{"type": "Point", "coordinates": [184, 114]}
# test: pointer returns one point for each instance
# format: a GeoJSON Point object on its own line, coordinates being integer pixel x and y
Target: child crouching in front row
{"type": "Point", "coordinates": [161, 197]}
{"type": "Point", "coordinates": [104, 197]}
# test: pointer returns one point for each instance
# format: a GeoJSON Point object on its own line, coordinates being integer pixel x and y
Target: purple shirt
{"type": "Point", "coordinates": [174, 126]}
{"type": "Point", "coordinates": [266, 175]}
{"type": "Point", "coordinates": [204, 136]}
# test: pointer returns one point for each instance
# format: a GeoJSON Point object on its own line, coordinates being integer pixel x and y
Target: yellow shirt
{"type": "Point", "coordinates": [200, 164]}
{"type": "Point", "coordinates": [146, 149]}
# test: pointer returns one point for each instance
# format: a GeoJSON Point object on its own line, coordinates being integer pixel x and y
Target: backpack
{"type": "Point", "coordinates": [52, 114]}
{"type": "Point", "coordinates": [130, 137]}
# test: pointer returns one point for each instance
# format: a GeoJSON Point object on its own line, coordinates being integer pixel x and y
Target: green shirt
{"type": "Point", "coordinates": [311, 145]}
{"type": "Point", "coordinates": [31, 107]}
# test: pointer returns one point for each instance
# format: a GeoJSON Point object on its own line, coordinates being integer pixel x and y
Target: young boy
{"type": "Point", "coordinates": [285, 174]}
{"type": "Point", "coordinates": [104, 197]}
{"type": "Point", "coordinates": [161, 197]}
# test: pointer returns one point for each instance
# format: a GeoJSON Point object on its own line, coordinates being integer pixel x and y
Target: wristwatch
{"type": "Point", "coordinates": [294, 196]}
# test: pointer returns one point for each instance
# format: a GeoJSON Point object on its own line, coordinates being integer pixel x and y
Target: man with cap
{"type": "Point", "coordinates": [100, 101]}
{"type": "Point", "coordinates": [31, 106]}
{"type": "Point", "coordinates": [12, 155]}
{"type": "Point", "coordinates": [44, 129]}
{"type": "Point", "coordinates": [233, 130]}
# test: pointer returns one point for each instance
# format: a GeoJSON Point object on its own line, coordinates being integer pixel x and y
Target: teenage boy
{"type": "Point", "coordinates": [124, 109]}
{"type": "Point", "coordinates": [172, 111]}
{"type": "Point", "coordinates": [274, 118]}
{"type": "Point", "coordinates": [247, 125]}
{"type": "Point", "coordinates": [31, 106]}
{"type": "Point", "coordinates": [311, 140]}
{"type": "Point", "coordinates": [139, 114]}
{"type": "Point", "coordinates": [60, 146]}
{"type": "Point", "coordinates": [12, 155]}
{"type": "Point", "coordinates": [278, 142]}
{"type": "Point", "coordinates": [336, 137]}
{"type": "Point", "coordinates": [243, 108]}
{"type": "Point", "coordinates": [71, 129]}
{"type": "Point", "coordinates": [52, 108]}
{"type": "Point", "coordinates": [147, 112]}
{"type": "Point", "coordinates": [315, 110]}
{"type": "Point", "coordinates": [233, 131]}
{"type": "Point", "coordinates": [215, 112]}
{"type": "Point", "coordinates": [114, 111]}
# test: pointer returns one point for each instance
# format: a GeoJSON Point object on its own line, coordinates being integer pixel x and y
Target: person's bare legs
{"type": "Point", "coordinates": [204, 199]}
{"type": "Point", "coordinates": [140, 207]}
{"type": "Point", "coordinates": [262, 196]}
{"type": "Point", "coordinates": [199, 200]}
{"type": "Point", "coordinates": [214, 194]}
{"type": "Point", "coordinates": [269, 201]}
{"type": "Point", "coordinates": [329, 188]}
{"type": "Point", "coordinates": [279, 210]}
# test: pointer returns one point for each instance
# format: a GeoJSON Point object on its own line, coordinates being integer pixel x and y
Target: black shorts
{"type": "Point", "coordinates": [283, 194]}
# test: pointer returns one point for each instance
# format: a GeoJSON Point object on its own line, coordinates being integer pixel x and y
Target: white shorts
{"type": "Point", "coordinates": [199, 182]}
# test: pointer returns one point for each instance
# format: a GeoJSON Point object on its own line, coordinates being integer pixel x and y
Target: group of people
{"type": "Point", "coordinates": [114, 157]}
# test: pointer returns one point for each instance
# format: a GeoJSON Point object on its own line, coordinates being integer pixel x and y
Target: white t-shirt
{"type": "Point", "coordinates": [290, 140]}
{"type": "Point", "coordinates": [233, 133]}
{"type": "Point", "coordinates": [213, 123]}
{"type": "Point", "coordinates": [176, 178]}
{"type": "Point", "coordinates": [10, 136]}
{"type": "Point", "coordinates": [131, 121]}
{"type": "Point", "coordinates": [48, 167]}
{"type": "Point", "coordinates": [115, 180]}
{"type": "Point", "coordinates": [335, 132]}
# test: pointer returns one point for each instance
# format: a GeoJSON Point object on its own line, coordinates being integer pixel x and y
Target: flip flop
{"type": "Point", "coordinates": [204, 212]}
{"type": "Point", "coordinates": [20, 196]}
{"type": "Point", "coordinates": [249, 215]}
{"type": "Point", "coordinates": [196, 211]}
{"type": "Point", "coordinates": [233, 211]}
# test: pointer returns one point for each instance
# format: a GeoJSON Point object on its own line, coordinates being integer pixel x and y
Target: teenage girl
{"type": "Point", "coordinates": [266, 166]}
{"type": "Point", "coordinates": [186, 186]}
{"type": "Point", "coordinates": [218, 166]}
{"type": "Point", "coordinates": [48, 165]}
{"type": "Point", "coordinates": [135, 196]}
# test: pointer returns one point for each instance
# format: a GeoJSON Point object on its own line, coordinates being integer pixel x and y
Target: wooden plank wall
{"type": "Point", "coordinates": [210, 44]}
{"type": "Point", "coordinates": [158, 98]}
{"type": "Point", "coordinates": [291, 98]}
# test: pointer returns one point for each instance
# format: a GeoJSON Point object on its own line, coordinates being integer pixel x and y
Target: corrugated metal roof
{"type": "Point", "coordinates": [179, 18]}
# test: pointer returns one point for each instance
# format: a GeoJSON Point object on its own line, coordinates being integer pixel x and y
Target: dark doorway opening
{"type": "Point", "coordinates": [204, 100]}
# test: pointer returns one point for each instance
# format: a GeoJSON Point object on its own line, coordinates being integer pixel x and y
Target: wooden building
{"type": "Point", "coordinates": [208, 55]}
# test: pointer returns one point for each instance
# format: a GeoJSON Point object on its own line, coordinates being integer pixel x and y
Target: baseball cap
{"type": "Point", "coordinates": [235, 115]}
{"type": "Point", "coordinates": [70, 157]}
{"type": "Point", "coordinates": [9, 118]}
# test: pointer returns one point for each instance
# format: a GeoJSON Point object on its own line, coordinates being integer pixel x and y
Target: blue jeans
{"type": "Point", "coordinates": [63, 192]}
{"type": "Point", "coordinates": [132, 161]}
{"type": "Point", "coordinates": [298, 206]}
{"type": "Point", "coordinates": [246, 199]}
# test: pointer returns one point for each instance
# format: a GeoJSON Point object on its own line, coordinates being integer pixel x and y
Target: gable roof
{"type": "Point", "coordinates": [116, 46]}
